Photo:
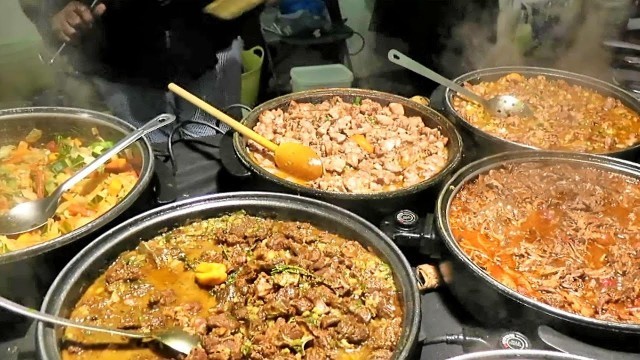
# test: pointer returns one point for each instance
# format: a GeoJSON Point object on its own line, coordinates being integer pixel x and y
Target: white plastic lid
{"type": "Point", "coordinates": [321, 74]}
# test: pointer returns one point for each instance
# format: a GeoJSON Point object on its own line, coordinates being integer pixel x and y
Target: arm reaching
{"type": "Point", "coordinates": [60, 20]}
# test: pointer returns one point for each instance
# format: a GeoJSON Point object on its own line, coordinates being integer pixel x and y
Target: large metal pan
{"type": "Point", "coordinates": [519, 355]}
{"type": "Point", "coordinates": [15, 124]}
{"type": "Point", "coordinates": [92, 261]}
{"type": "Point", "coordinates": [479, 143]}
{"type": "Point", "coordinates": [494, 303]}
{"type": "Point", "coordinates": [371, 206]}
{"type": "Point", "coordinates": [29, 272]}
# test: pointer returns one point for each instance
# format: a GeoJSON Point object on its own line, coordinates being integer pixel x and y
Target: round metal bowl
{"type": "Point", "coordinates": [519, 355]}
{"type": "Point", "coordinates": [90, 263]}
{"type": "Point", "coordinates": [479, 143]}
{"type": "Point", "coordinates": [15, 124]}
{"type": "Point", "coordinates": [371, 205]}
{"type": "Point", "coordinates": [490, 301]}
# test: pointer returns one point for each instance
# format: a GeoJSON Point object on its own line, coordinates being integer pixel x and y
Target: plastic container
{"type": "Point", "coordinates": [252, 60]}
{"type": "Point", "coordinates": [320, 76]}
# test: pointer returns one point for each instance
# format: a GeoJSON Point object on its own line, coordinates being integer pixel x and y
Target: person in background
{"type": "Point", "coordinates": [131, 50]}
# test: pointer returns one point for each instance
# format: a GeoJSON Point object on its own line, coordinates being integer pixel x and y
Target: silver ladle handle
{"type": "Point", "coordinates": [158, 122]}
{"type": "Point", "coordinates": [54, 320]}
{"type": "Point", "coordinates": [399, 58]}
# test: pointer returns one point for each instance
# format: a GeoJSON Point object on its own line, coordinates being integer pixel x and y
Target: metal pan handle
{"type": "Point", "coordinates": [407, 230]}
{"type": "Point", "coordinates": [570, 345]}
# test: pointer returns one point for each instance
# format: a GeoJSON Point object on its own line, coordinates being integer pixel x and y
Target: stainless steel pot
{"type": "Point", "coordinates": [91, 262]}
{"type": "Point", "coordinates": [494, 303]}
{"type": "Point", "coordinates": [15, 124]}
{"type": "Point", "coordinates": [479, 143]}
{"type": "Point", "coordinates": [519, 355]}
{"type": "Point", "coordinates": [371, 206]}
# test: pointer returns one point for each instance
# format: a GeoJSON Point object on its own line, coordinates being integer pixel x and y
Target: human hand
{"type": "Point", "coordinates": [76, 16]}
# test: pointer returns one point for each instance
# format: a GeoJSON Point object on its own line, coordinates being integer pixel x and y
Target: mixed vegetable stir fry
{"type": "Point", "coordinates": [33, 169]}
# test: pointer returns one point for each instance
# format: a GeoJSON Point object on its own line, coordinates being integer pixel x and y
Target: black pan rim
{"type": "Point", "coordinates": [472, 170]}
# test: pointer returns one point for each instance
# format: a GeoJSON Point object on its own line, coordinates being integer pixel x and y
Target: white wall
{"type": "Point", "coordinates": [14, 25]}
{"type": "Point", "coordinates": [366, 63]}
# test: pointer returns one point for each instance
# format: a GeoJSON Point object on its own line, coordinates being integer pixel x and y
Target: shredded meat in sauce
{"type": "Point", "coordinates": [365, 147]}
{"type": "Point", "coordinates": [566, 117]}
{"type": "Point", "coordinates": [251, 288]}
{"type": "Point", "coordinates": [564, 235]}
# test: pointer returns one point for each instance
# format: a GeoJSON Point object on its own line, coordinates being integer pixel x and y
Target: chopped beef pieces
{"type": "Point", "coordinates": [563, 234]}
{"type": "Point", "coordinates": [272, 300]}
{"type": "Point", "coordinates": [365, 147]}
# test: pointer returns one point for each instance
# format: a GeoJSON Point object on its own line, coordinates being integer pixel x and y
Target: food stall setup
{"type": "Point", "coordinates": [431, 231]}
{"type": "Point", "coordinates": [330, 223]}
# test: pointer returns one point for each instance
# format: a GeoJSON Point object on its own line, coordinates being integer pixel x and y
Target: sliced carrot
{"type": "Point", "coordinates": [52, 146]}
{"type": "Point", "coordinates": [38, 180]}
{"type": "Point", "coordinates": [362, 141]}
{"type": "Point", "coordinates": [116, 165]}
{"type": "Point", "coordinates": [79, 209]}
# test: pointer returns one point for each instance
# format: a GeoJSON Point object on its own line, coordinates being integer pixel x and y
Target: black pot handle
{"type": "Point", "coordinates": [165, 187]}
{"type": "Point", "coordinates": [407, 230]}
{"type": "Point", "coordinates": [229, 158]}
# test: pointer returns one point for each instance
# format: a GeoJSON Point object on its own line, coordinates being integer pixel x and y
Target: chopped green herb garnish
{"type": "Point", "coordinates": [291, 269]}
{"type": "Point", "coordinates": [357, 101]}
{"type": "Point", "coordinates": [298, 344]}
{"type": "Point", "coordinates": [100, 146]}
{"type": "Point", "coordinates": [232, 278]}
{"type": "Point", "coordinates": [246, 348]}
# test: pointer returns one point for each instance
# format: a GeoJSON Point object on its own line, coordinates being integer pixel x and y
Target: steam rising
{"type": "Point", "coordinates": [483, 39]}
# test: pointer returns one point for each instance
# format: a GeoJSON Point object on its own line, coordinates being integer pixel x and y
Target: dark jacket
{"type": "Point", "coordinates": [147, 42]}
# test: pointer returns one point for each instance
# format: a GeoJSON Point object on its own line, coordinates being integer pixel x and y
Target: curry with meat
{"type": "Point", "coordinates": [251, 288]}
{"type": "Point", "coordinates": [31, 170]}
{"type": "Point", "coordinates": [566, 116]}
{"type": "Point", "coordinates": [365, 147]}
{"type": "Point", "coordinates": [562, 234]}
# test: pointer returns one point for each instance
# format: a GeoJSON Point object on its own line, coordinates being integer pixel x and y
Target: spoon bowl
{"type": "Point", "coordinates": [297, 160]}
{"type": "Point", "coordinates": [176, 339]}
{"type": "Point", "coordinates": [31, 215]}
{"type": "Point", "coordinates": [499, 106]}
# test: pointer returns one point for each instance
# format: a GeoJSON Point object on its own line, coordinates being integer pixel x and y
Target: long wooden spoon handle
{"type": "Point", "coordinates": [222, 117]}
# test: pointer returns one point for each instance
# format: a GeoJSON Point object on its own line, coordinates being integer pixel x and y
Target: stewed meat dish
{"type": "Point", "coordinates": [562, 234]}
{"type": "Point", "coordinates": [566, 116]}
{"type": "Point", "coordinates": [365, 147]}
{"type": "Point", "coordinates": [250, 288]}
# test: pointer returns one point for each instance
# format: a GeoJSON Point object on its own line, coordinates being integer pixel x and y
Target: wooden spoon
{"type": "Point", "coordinates": [297, 160]}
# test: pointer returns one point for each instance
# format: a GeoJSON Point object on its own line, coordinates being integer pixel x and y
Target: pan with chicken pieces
{"type": "Point", "coordinates": [366, 147]}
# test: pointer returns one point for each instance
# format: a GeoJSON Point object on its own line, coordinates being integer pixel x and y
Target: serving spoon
{"type": "Point", "coordinates": [297, 160]}
{"type": "Point", "coordinates": [31, 215]}
{"type": "Point", "coordinates": [500, 106]}
{"type": "Point", "coordinates": [176, 339]}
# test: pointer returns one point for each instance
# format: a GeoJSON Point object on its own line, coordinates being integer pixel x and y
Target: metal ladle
{"type": "Point", "coordinates": [176, 339]}
{"type": "Point", "coordinates": [500, 106]}
{"type": "Point", "coordinates": [31, 215]}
